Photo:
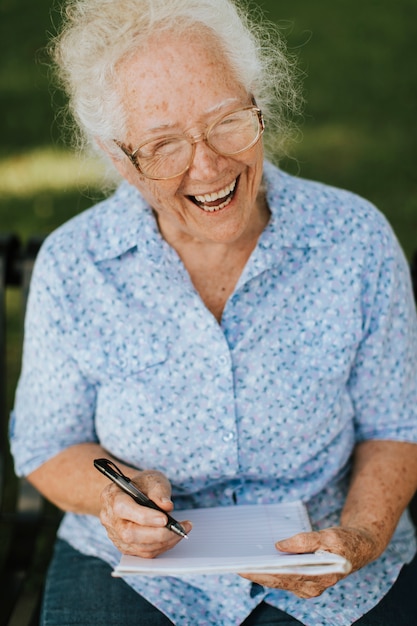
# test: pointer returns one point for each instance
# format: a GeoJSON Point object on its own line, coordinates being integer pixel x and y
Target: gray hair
{"type": "Point", "coordinates": [98, 34]}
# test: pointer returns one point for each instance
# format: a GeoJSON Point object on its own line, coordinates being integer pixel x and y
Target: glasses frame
{"type": "Point", "coordinates": [193, 140]}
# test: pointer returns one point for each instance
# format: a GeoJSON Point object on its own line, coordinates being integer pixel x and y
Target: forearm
{"type": "Point", "coordinates": [384, 479]}
{"type": "Point", "coordinates": [70, 480]}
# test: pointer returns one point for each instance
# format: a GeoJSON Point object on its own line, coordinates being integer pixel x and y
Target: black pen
{"type": "Point", "coordinates": [110, 469]}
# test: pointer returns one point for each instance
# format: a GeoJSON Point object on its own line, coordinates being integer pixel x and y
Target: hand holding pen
{"type": "Point", "coordinates": [110, 469]}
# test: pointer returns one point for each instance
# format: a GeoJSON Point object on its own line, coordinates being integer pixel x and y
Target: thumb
{"type": "Point", "coordinates": [157, 487]}
{"type": "Point", "coordinates": [300, 543]}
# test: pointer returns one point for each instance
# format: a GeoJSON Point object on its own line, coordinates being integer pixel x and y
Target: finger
{"type": "Point", "coordinates": [142, 541]}
{"type": "Point", "coordinates": [156, 486]}
{"type": "Point", "coordinates": [300, 543]}
{"type": "Point", "coordinates": [187, 526]}
{"type": "Point", "coordinates": [120, 507]}
{"type": "Point", "coordinates": [310, 589]}
{"type": "Point", "coordinates": [353, 544]}
{"type": "Point", "coordinates": [303, 586]}
{"type": "Point", "coordinates": [144, 546]}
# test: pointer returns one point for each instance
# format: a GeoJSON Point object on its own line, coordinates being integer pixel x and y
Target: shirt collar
{"type": "Point", "coordinates": [123, 222]}
{"type": "Point", "coordinates": [302, 212]}
{"type": "Point", "coordinates": [126, 221]}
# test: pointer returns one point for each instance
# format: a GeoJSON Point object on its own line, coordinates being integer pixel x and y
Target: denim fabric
{"type": "Point", "coordinates": [81, 592]}
{"type": "Point", "coordinates": [399, 606]}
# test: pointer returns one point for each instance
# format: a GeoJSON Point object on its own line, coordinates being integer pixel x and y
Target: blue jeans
{"type": "Point", "coordinates": [79, 591]}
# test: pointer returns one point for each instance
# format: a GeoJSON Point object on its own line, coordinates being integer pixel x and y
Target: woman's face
{"type": "Point", "coordinates": [179, 85]}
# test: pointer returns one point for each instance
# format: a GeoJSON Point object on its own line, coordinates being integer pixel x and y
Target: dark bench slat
{"type": "Point", "coordinates": [28, 523]}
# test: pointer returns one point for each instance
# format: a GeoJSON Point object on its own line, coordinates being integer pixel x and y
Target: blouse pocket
{"type": "Point", "coordinates": [133, 355]}
{"type": "Point", "coordinates": [127, 350]}
{"type": "Point", "coordinates": [320, 349]}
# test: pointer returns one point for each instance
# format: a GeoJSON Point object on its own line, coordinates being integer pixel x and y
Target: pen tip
{"type": "Point", "coordinates": [179, 531]}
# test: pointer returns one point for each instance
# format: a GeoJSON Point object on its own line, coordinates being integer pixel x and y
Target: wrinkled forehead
{"type": "Point", "coordinates": [169, 53]}
{"type": "Point", "coordinates": [175, 77]}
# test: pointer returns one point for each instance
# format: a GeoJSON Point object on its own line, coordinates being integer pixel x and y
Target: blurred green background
{"type": "Point", "coordinates": [358, 129]}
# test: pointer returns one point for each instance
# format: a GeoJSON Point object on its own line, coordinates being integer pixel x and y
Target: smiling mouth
{"type": "Point", "coordinates": [212, 202]}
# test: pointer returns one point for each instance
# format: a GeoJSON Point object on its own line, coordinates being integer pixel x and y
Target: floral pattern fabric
{"type": "Point", "coordinates": [315, 352]}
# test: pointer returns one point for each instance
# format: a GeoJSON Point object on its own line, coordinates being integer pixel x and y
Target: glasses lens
{"type": "Point", "coordinates": [167, 157]}
{"type": "Point", "coordinates": [164, 158]}
{"type": "Point", "coordinates": [235, 132]}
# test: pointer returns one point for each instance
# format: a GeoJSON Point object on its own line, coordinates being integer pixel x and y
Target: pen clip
{"type": "Point", "coordinates": [110, 469]}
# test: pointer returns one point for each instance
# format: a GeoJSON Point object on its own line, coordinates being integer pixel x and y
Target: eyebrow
{"type": "Point", "coordinates": [159, 128]}
{"type": "Point", "coordinates": [218, 107]}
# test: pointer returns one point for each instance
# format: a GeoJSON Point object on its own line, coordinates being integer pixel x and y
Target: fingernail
{"type": "Point", "coordinates": [166, 500]}
{"type": "Point", "coordinates": [159, 521]}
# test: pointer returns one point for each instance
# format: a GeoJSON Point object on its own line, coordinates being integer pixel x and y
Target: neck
{"type": "Point", "coordinates": [215, 267]}
{"type": "Point", "coordinates": [182, 239]}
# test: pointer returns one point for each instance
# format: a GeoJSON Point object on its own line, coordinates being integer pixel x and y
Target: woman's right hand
{"type": "Point", "coordinates": [135, 529]}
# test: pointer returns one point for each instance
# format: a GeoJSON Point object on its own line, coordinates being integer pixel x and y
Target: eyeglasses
{"type": "Point", "coordinates": [171, 155]}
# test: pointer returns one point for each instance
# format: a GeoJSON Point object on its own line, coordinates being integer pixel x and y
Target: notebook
{"type": "Point", "coordinates": [237, 539]}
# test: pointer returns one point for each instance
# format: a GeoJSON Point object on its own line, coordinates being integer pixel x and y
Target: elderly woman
{"type": "Point", "coordinates": [225, 332]}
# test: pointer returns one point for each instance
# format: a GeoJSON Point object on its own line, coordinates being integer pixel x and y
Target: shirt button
{"type": "Point", "coordinates": [228, 437]}
{"type": "Point", "coordinates": [223, 360]}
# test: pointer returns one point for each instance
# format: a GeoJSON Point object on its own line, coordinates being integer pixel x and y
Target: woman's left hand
{"type": "Point", "coordinates": [383, 480]}
{"type": "Point", "coordinates": [358, 546]}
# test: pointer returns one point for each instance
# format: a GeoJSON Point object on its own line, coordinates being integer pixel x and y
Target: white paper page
{"type": "Point", "coordinates": [237, 539]}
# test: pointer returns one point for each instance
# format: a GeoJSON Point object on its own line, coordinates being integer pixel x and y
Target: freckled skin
{"type": "Point", "coordinates": [178, 82]}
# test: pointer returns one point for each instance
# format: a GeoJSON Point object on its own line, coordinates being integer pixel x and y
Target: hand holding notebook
{"type": "Point", "coordinates": [238, 539]}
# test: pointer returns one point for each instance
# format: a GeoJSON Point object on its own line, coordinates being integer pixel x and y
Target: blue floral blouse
{"type": "Point", "coordinates": [316, 351]}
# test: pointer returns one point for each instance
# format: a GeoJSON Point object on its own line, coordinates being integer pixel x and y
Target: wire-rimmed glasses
{"type": "Point", "coordinates": [169, 156]}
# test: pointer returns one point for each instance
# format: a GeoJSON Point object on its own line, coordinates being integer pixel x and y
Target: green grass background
{"type": "Point", "coordinates": [358, 129]}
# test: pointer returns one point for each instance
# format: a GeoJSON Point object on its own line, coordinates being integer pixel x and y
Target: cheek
{"type": "Point", "coordinates": [260, 156]}
{"type": "Point", "coordinates": [255, 168]}
{"type": "Point", "coordinates": [255, 161]}
{"type": "Point", "coordinates": [160, 195]}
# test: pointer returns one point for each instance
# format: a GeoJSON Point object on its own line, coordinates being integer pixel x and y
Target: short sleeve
{"type": "Point", "coordinates": [54, 404]}
{"type": "Point", "coordinates": [383, 381]}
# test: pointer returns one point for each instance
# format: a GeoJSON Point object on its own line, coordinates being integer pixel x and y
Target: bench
{"type": "Point", "coordinates": [28, 523]}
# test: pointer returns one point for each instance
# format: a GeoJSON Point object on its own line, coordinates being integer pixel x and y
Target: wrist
{"type": "Point", "coordinates": [369, 540]}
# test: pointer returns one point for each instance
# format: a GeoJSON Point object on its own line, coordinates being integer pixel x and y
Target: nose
{"type": "Point", "coordinates": [205, 161]}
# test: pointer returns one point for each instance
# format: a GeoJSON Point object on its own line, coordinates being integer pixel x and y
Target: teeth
{"type": "Point", "coordinates": [212, 197]}
{"type": "Point", "coordinates": [211, 209]}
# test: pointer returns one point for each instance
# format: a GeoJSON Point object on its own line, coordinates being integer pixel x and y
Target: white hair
{"type": "Point", "coordinates": [98, 34]}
